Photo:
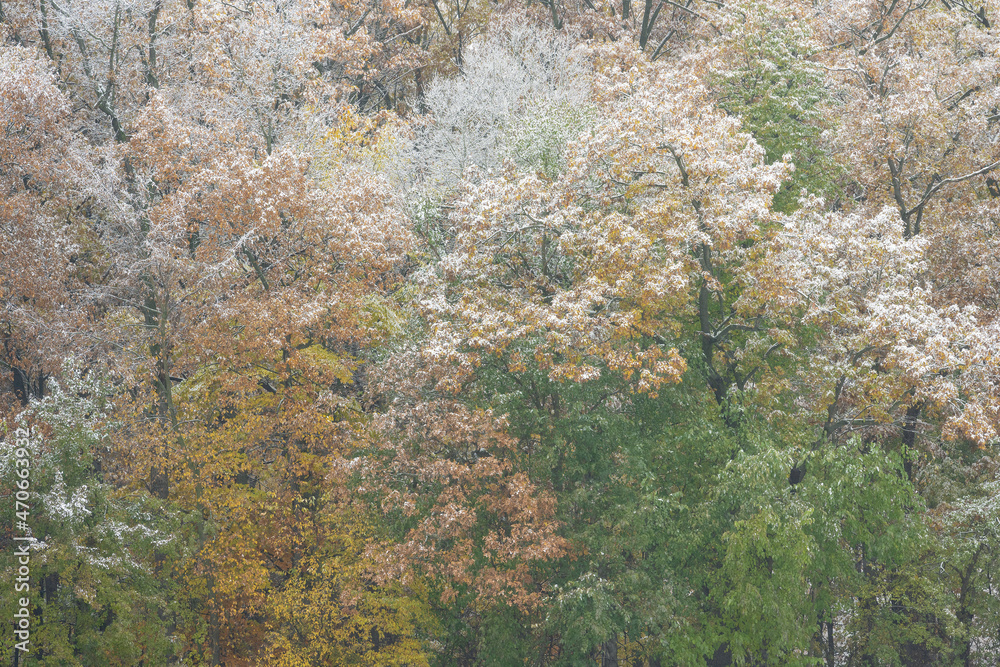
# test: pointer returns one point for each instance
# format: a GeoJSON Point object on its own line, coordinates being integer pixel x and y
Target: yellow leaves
{"type": "Point", "coordinates": [381, 318]}
{"type": "Point", "coordinates": [354, 138]}
{"type": "Point", "coordinates": [330, 363]}
{"type": "Point", "coordinates": [201, 387]}
{"type": "Point", "coordinates": [517, 364]}
{"type": "Point", "coordinates": [328, 612]}
{"type": "Point", "coordinates": [571, 372]}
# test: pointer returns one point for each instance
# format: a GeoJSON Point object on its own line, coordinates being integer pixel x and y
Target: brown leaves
{"type": "Point", "coordinates": [48, 184]}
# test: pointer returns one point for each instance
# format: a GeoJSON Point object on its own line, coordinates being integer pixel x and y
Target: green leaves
{"type": "Point", "coordinates": [537, 140]}
{"type": "Point", "coordinates": [765, 75]}
{"type": "Point", "coordinates": [94, 598]}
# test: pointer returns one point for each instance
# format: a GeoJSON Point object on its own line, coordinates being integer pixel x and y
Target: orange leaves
{"type": "Point", "coordinates": [475, 522]}
{"type": "Point", "coordinates": [305, 246]}
{"type": "Point", "coordinates": [48, 183]}
{"type": "Point", "coordinates": [447, 545]}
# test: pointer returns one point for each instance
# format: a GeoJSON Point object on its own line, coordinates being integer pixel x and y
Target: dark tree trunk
{"type": "Point", "coordinates": [609, 653]}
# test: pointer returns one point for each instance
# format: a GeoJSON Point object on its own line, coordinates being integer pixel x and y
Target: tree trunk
{"type": "Point", "coordinates": [609, 653]}
{"type": "Point", "coordinates": [910, 435]}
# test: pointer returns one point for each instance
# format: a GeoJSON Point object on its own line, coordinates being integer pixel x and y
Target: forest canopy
{"type": "Point", "coordinates": [568, 332]}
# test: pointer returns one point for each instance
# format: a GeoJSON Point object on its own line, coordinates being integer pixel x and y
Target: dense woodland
{"type": "Point", "coordinates": [520, 332]}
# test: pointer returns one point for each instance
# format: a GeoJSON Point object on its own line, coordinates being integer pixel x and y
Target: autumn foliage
{"type": "Point", "coordinates": [559, 333]}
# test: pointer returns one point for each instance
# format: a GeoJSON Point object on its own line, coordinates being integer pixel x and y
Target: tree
{"type": "Point", "coordinates": [93, 599]}
{"type": "Point", "coordinates": [558, 333]}
{"type": "Point", "coordinates": [48, 183]}
{"type": "Point", "coordinates": [257, 288]}
{"type": "Point", "coordinates": [762, 65]}
{"type": "Point", "coordinates": [568, 299]}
